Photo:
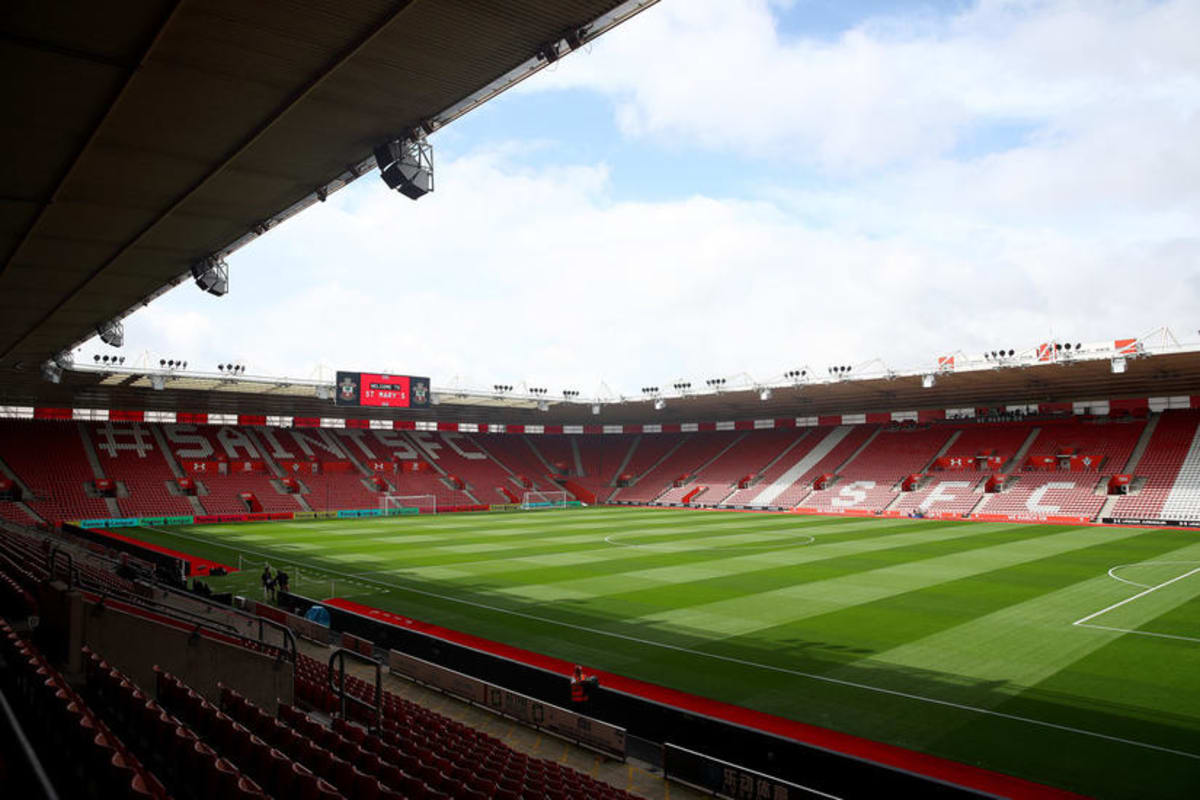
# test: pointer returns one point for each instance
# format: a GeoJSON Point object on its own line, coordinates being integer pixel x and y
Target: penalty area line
{"type": "Point", "coordinates": [1141, 594]}
{"type": "Point", "coordinates": [754, 664]}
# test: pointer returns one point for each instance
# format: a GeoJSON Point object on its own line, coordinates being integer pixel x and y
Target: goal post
{"type": "Point", "coordinates": [392, 505]}
{"type": "Point", "coordinates": [535, 500]}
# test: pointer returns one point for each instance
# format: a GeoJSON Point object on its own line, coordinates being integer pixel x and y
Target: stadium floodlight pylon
{"type": "Point", "coordinates": [534, 500]}
{"type": "Point", "coordinates": [395, 503]}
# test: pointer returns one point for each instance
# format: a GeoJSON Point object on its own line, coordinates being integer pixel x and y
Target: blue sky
{"type": "Point", "coordinates": [727, 187]}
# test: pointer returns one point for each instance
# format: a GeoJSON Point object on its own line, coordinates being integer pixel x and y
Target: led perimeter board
{"type": "Point", "coordinates": [376, 390]}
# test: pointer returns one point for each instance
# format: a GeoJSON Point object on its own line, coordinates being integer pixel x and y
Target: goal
{"type": "Point", "coordinates": [537, 500]}
{"type": "Point", "coordinates": [396, 504]}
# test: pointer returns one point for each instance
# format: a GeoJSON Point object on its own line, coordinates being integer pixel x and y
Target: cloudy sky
{"type": "Point", "coordinates": [750, 186]}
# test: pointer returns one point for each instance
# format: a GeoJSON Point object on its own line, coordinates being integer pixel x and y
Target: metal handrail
{"type": "Point", "coordinates": [288, 637]}
{"type": "Point", "coordinates": [339, 688]}
{"type": "Point", "coordinates": [52, 566]}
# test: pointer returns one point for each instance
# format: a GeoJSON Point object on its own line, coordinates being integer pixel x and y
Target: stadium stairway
{"type": "Point", "coordinates": [770, 494]}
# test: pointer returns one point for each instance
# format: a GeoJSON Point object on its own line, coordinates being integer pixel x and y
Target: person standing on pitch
{"type": "Point", "coordinates": [268, 582]}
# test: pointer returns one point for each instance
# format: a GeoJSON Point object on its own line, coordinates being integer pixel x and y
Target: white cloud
{"type": "Point", "coordinates": [539, 275]}
{"type": "Point", "coordinates": [720, 74]}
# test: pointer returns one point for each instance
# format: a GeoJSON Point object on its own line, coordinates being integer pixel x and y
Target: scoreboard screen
{"type": "Point", "coordinates": [381, 391]}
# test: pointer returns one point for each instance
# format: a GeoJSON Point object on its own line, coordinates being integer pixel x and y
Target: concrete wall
{"type": "Point", "coordinates": [135, 644]}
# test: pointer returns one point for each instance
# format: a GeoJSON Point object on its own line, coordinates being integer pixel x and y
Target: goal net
{"type": "Point", "coordinates": [396, 504]}
{"type": "Point", "coordinates": [537, 500]}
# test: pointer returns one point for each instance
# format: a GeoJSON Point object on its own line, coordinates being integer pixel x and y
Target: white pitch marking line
{"type": "Point", "coordinates": [1090, 617]}
{"type": "Point", "coordinates": [731, 659]}
{"type": "Point", "coordinates": [1112, 571]}
{"type": "Point", "coordinates": [1139, 633]}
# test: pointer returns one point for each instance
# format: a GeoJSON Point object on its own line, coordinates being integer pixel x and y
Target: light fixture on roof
{"type": "Point", "coordinates": [570, 394]}
{"type": "Point", "coordinates": [659, 404]}
{"type": "Point", "coordinates": [764, 394]}
{"type": "Point", "coordinates": [928, 381]}
{"type": "Point", "coordinates": [52, 372]}
{"type": "Point", "coordinates": [112, 333]}
{"type": "Point", "coordinates": [212, 275]}
{"type": "Point", "coordinates": [1118, 365]}
{"type": "Point", "coordinates": [407, 164]}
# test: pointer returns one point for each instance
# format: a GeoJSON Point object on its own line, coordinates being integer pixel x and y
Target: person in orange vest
{"type": "Point", "coordinates": [580, 685]}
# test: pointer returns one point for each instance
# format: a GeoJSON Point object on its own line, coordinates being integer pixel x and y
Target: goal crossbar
{"type": "Point", "coordinates": [535, 499]}
{"type": "Point", "coordinates": [396, 504]}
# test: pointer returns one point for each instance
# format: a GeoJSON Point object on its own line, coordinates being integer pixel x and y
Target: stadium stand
{"type": "Point", "coordinates": [524, 469]}
{"type": "Point", "coordinates": [739, 463]}
{"type": "Point", "coordinates": [868, 465]}
{"type": "Point", "coordinates": [1160, 474]}
{"type": "Point", "coordinates": [829, 452]}
{"type": "Point", "coordinates": [694, 451]}
{"type": "Point", "coordinates": [128, 454]}
{"type": "Point", "coordinates": [1035, 495]}
{"type": "Point", "coordinates": [59, 484]}
{"type": "Point", "coordinates": [870, 482]}
{"type": "Point", "coordinates": [246, 463]}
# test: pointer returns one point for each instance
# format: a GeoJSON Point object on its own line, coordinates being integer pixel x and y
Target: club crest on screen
{"type": "Point", "coordinates": [348, 388]}
{"type": "Point", "coordinates": [420, 392]}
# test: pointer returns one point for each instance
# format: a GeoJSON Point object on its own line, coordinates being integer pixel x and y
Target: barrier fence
{"type": "Point", "coordinates": [592, 733]}
{"type": "Point", "coordinates": [276, 516]}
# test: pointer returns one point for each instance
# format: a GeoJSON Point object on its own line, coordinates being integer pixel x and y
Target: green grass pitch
{"type": "Point", "coordinates": [1066, 655]}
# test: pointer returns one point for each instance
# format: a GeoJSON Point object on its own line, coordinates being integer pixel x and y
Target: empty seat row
{"type": "Point", "coordinates": [60, 721]}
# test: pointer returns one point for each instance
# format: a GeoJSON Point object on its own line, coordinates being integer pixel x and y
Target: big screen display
{"type": "Point", "coordinates": [380, 390]}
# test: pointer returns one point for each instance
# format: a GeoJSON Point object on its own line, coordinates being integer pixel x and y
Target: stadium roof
{"type": "Point", "coordinates": [1162, 374]}
{"type": "Point", "coordinates": [143, 136]}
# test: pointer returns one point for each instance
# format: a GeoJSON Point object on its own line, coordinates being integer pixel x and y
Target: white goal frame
{"type": "Point", "coordinates": [534, 500]}
{"type": "Point", "coordinates": [425, 503]}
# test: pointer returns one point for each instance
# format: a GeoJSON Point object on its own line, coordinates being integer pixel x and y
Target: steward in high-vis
{"type": "Point", "coordinates": [581, 685]}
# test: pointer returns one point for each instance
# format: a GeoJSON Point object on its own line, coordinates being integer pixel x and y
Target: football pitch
{"type": "Point", "coordinates": [1065, 655]}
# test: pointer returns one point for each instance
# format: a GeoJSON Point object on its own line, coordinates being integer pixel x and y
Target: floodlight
{"type": "Point", "coordinates": [97, 358]}
{"type": "Point", "coordinates": [406, 165]}
{"type": "Point", "coordinates": [112, 333]}
{"type": "Point", "coordinates": [52, 372]}
{"type": "Point", "coordinates": [212, 275]}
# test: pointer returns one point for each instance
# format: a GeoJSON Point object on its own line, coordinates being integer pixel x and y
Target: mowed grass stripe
{"type": "Point", "coordinates": [937, 621]}
{"type": "Point", "coordinates": [748, 613]}
{"type": "Point", "coordinates": [673, 593]}
{"type": "Point", "coordinates": [654, 567]}
{"type": "Point", "coordinates": [534, 553]}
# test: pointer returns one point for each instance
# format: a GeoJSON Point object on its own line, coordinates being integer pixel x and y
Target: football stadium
{"type": "Point", "coordinates": [978, 577]}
